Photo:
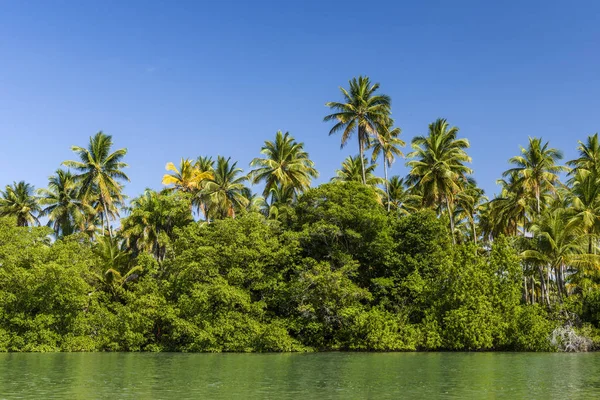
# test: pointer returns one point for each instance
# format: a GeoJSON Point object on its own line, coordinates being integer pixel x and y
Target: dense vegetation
{"type": "Point", "coordinates": [423, 262]}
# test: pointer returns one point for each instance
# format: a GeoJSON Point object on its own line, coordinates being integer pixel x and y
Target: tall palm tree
{"type": "Point", "coordinates": [401, 200]}
{"type": "Point", "coordinates": [285, 164]}
{"type": "Point", "coordinates": [589, 157]}
{"type": "Point", "coordinates": [468, 205]}
{"type": "Point", "coordinates": [100, 174]}
{"type": "Point", "coordinates": [438, 167]}
{"type": "Point", "coordinates": [256, 202]}
{"type": "Point", "coordinates": [536, 169]}
{"type": "Point", "coordinates": [585, 206]}
{"type": "Point", "coordinates": [63, 206]}
{"type": "Point", "coordinates": [153, 217]}
{"type": "Point", "coordinates": [509, 210]}
{"type": "Point", "coordinates": [226, 190]}
{"type": "Point", "coordinates": [19, 201]}
{"type": "Point", "coordinates": [200, 199]}
{"type": "Point", "coordinates": [388, 145]}
{"type": "Point", "coordinates": [362, 111]}
{"type": "Point", "coordinates": [205, 164]}
{"type": "Point", "coordinates": [558, 246]}
{"type": "Point", "coordinates": [351, 171]}
{"type": "Point", "coordinates": [187, 178]}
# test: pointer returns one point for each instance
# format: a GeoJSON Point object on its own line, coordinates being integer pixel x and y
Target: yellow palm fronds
{"type": "Point", "coordinates": [187, 177]}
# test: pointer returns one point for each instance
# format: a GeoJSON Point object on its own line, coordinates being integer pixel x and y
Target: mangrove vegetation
{"type": "Point", "coordinates": [364, 262]}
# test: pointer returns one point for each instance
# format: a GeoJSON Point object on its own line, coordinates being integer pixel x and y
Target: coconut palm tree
{"type": "Point", "coordinates": [285, 164]}
{"type": "Point", "coordinates": [351, 171]}
{"type": "Point", "coordinates": [558, 246]}
{"type": "Point", "coordinates": [388, 145]}
{"type": "Point", "coordinates": [187, 178]}
{"type": "Point", "coordinates": [589, 157]}
{"type": "Point", "coordinates": [438, 167]}
{"type": "Point", "coordinates": [63, 206]}
{"type": "Point", "coordinates": [585, 206]}
{"type": "Point", "coordinates": [152, 218]}
{"type": "Point", "coordinates": [281, 197]}
{"type": "Point", "coordinates": [18, 201]}
{"type": "Point", "coordinates": [362, 111]}
{"type": "Point", "coordinates": [509, 210]}
{"type": "Point", "coordinates": [256, 203]}
{"type": "Point", "coordinates": [205, 164]}
{"type": "Point", "coordinates": [536, 170]}
{"type": "Point", "coordinates": [226, 190]}
{"type": "Point", "coordinates": [468, 205]}
{"type": "Point", "coordinates": [200, 199]}
{"type": "Point", "coordinates": [100, 174]}
{"type": "Point", "coordinates": [401, 199]}
{"type": "Point", "coordinates": [115, 264]}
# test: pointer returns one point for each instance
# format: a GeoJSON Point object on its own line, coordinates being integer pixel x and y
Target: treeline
{"type": "Point", "coordinates": [422, 262]}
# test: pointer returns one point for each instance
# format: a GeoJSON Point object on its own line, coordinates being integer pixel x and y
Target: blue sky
{"type": "Point", "coordinates": [171, 79]}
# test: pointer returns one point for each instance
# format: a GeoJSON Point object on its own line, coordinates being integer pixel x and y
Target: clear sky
{"type": "Point", "coordinates": [171, 79]}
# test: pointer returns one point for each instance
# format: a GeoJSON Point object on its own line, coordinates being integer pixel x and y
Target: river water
{"type": "Point", "coordinates": [299, 376]}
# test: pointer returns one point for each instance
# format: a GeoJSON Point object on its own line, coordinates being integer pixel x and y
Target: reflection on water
{"type": "Point", "coordinates": [281, 376]}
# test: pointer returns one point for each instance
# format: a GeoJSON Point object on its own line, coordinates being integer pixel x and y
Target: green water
{"type": "Point", "coordinates": [306, 376]}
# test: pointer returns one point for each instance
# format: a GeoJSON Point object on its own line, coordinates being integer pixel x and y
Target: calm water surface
{"type": "Point", "coordinates": [306, 376]}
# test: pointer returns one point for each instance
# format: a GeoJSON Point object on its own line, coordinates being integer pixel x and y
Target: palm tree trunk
{"type": "Point", "coordinates": [558, 283]}
{"type": "Point", "coordinates": [361, 151]}
{"type": "Point", "coordinates": [451, 214]}
{"type": "Point", "coordinates": [544, 289]}
{"type": "Point", "coordinates": [105, 216]}
{"type": "Point", "coordinates": [387, 188]}
{"type": "Point", "coordinates": [562, 280]}
{"type": "Point", "coordinates": [362, 158]}
{"type": "Point", "coordinates": [548, 283]}
{"type": "Point", "coordinates": [525, 290]}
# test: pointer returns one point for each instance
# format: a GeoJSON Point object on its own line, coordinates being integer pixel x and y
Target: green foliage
{"type": "Point", "coordinates": [427, 264]}
{"type": "Point", "coordinates": [531, 329]}
{"type": "Point", "coordinates": [226, 281]}
{"type": "Point", "coordinates": [18, 201]}
{"type": "Point", "coordinates": [337, 273]}
{"type": "Point", "coordinates": [152, 220]}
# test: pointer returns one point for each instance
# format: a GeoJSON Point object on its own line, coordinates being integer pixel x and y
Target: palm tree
{"type": "Point", "coordinates": [510, 210]}
{"type": "Point", "coordinates": [585, 206]}
{"type": "Point", "coordinates": [115, 264]}
{"type": "Point", "coordinates": [468, 205]}
{"type": "Point", "coordinates": [363, 111]}
{"type": "Point", "coordinates": [226, 190]}
{"type": "Point", "coordinates": [100, 173]}
{"type": "Point", "coordinates": [18, 201]}
{"type": "Point", "coordinates": [200, 199]}
{"type": "Point", "coordinates": [280, 197]}
{"type": "Point", "coordinates": [256, 203]}
{"type": "Point", "coordinates": [152, 219]}
{"type": "Point", "coordinates": [438, 168]}
{"type": "Point", "coordinates": [387, 145]}
{"type": "Point", "coordinates": [400, 198]}
{"type": "Point", "coordinates": [64, 208]}
{"type": "Point", "coordinates": [558, 245]}
{"type": "Point", "coordinates": [187, 178]}
{"type": "Point", "coordinates": [205, 164]}
{"type": "Point", "coordinates": [351, 171]}
{"type": "Point", "coordinates": [536, 169]}
{"type": "Point", "coordinates": [286, 164]}
{"type": "Point", "coordinates": [589, 157]}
